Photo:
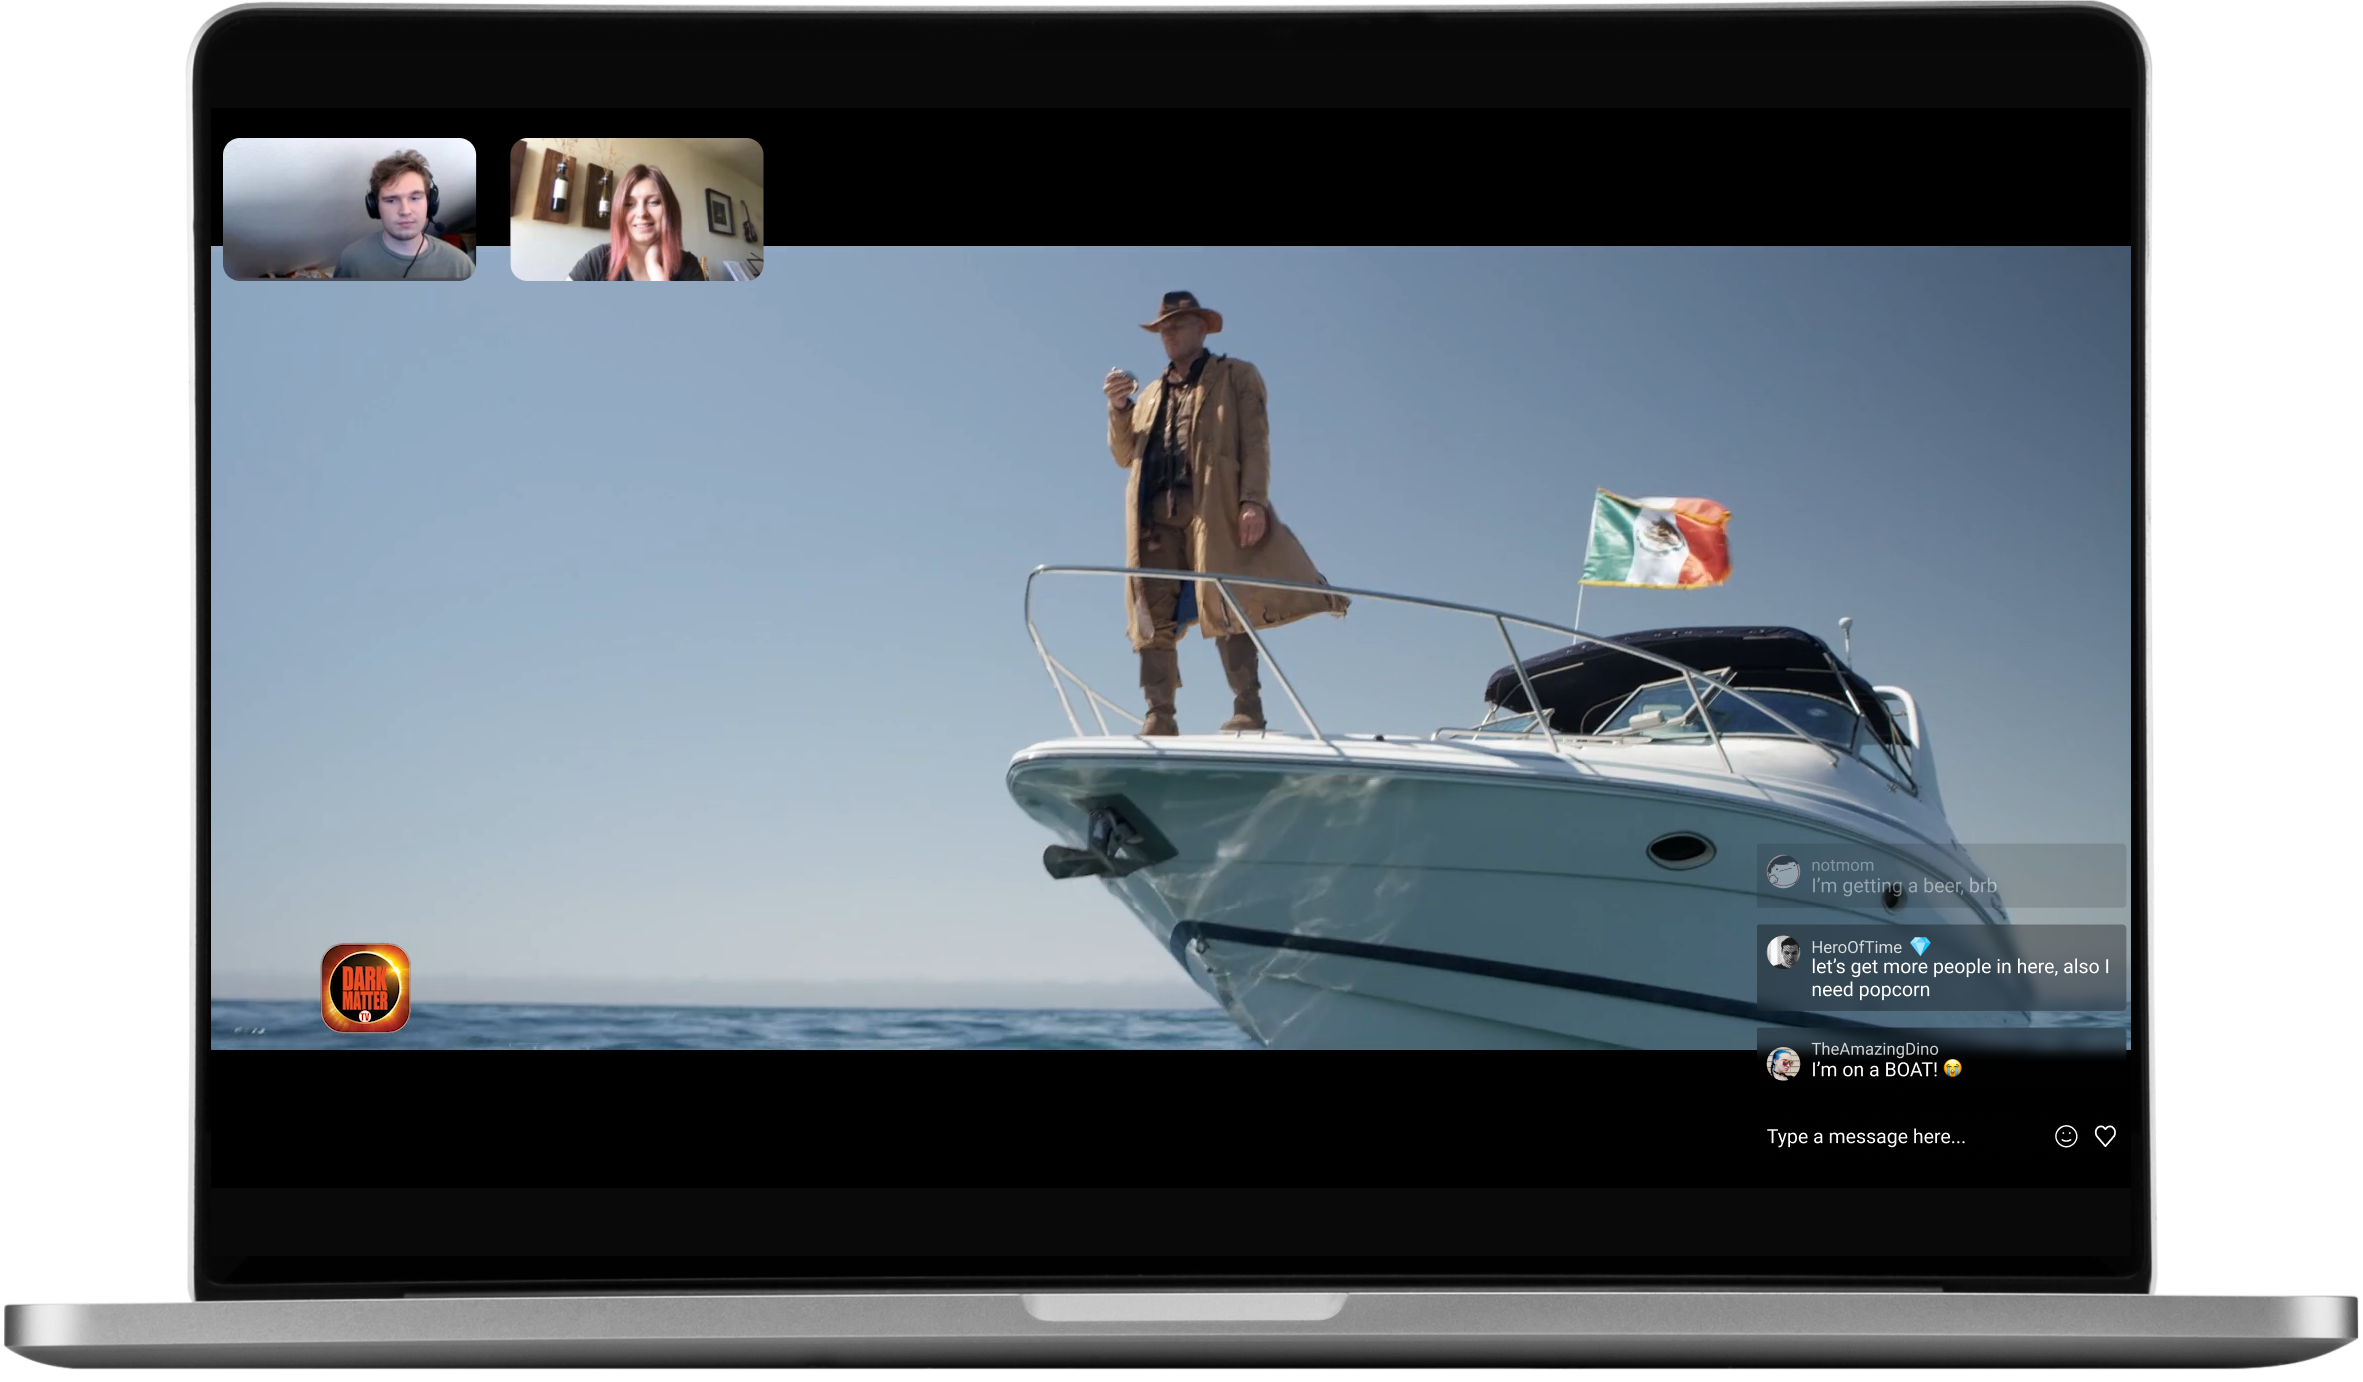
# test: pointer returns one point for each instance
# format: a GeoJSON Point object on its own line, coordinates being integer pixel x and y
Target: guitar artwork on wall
{"type": "Point", "coordinates": [749, 225]}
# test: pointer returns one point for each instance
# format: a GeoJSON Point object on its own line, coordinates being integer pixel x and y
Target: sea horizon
{"type": "Point", "coordinates": [1155, 995]}
{"type": "Point", "coordinates": [294, 1024]}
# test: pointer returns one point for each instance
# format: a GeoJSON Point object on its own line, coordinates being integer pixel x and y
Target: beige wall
{"type": "Point", "coordinates": [546, 250]}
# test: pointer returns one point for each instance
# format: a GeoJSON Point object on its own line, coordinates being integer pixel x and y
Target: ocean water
{"type": "Point", "coordinates": [240, 1026]}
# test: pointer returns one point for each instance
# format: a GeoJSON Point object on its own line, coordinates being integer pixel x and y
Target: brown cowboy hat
{"type": "Point", "coordinates": [1184, 303]}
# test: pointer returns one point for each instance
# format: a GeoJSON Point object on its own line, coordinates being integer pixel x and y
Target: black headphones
{"type": "Point", "coordinates": [434, 199]}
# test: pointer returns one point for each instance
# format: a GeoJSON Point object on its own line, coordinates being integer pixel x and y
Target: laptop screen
{"type": "Point", "coordinates": [1651, 587]}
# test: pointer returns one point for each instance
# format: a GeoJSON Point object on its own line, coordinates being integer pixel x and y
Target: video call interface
{"type": "Point", "coordinates": [1715, 662]}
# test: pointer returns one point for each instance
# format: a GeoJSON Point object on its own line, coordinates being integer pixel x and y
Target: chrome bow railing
{"type": "Point", "coordinates": [1692, 677]}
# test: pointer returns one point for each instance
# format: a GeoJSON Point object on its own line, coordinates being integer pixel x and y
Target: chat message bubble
{"type": "Point", "coordinates": [1896, 1058]}
{"type": "Point", "coordinates": [1839, 969]}
{"type": "Point", "coordinates": [1891, 879]}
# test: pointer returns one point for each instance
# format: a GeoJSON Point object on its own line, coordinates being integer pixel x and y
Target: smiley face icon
{"type": "Point", "coordinates": [1952, 1067]}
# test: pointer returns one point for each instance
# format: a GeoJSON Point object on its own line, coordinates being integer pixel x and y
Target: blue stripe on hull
{"type": "Point", "coordinates": [1187, 931]}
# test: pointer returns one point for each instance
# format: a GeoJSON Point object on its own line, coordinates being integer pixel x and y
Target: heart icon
{"type": "Point", "coordinates": [1920, 944]}
{"type": "Point", "coordinates": [2106, 1133]}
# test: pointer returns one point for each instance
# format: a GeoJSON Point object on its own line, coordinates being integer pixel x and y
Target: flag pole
{"type": "Point", "coordinates": [1590, 528]}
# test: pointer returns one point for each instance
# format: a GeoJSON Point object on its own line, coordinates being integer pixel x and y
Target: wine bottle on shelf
{"type": "Point", "coordinates": [606, 189]}
{"type": "Point", "coordinates": [558, 188]}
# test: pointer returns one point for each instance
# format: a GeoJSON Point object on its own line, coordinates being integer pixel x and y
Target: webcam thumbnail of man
{"type": "Point", "coordinates": [636, 210]}
{"type": "Point", "coordinates": [381, 210]}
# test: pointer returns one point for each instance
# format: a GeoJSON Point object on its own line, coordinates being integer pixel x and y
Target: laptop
{"type": "Point", "coordinates": [1560, 601]}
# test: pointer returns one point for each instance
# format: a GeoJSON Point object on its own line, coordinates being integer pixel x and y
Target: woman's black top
{"type": "Point", "coordinates": [592, 268]}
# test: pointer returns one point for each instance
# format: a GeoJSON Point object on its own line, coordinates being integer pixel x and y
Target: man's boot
{"type": "Point", "coordinates": [1247, 701]}
{"type": "Point", "coordinates": [1160, 677]}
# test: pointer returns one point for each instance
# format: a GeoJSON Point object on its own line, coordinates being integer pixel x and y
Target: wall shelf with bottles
{"type": "Point", "coordinates": [598, 196]}
{"type": "Point", "coordinates": [557, 196]}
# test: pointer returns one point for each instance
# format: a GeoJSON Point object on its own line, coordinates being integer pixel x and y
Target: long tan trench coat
{"type": "Point", "coordinates": [1230, 464]}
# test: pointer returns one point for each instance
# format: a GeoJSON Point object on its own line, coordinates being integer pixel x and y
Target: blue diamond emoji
{"type": "Point", "coordinates": [1920, 943]}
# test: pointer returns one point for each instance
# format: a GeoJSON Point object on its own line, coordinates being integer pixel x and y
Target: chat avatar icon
{"type": "Point", "coordinates": [1784, 1063]}
{"type": "Point", "coordinates": [1952, 1067]}
{"type": "Point", "coordinates": [1783, 871]}
{"type": "Point", "coordinates": [1782, 952]}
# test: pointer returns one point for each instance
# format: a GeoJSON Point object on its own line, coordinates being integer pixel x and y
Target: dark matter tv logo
{"type": "Point", "coordinates": [365, 988]}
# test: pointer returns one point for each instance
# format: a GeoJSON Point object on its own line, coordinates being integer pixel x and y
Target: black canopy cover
{"type": "Point", "coordinates": [1582, 683]}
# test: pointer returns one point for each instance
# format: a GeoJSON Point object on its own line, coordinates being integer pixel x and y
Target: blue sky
{"type": "Point", "coordinates": [677, 634]}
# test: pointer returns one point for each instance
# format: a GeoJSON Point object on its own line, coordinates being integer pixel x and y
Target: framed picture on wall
{"type": "Point", "coordinates": [718, 216]}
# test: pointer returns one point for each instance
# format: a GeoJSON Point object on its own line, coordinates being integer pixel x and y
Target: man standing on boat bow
{"type": "Point", "coordinates": [1199, 448]}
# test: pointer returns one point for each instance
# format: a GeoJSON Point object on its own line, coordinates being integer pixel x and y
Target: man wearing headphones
{"type": "Point", "coordinates": [402, 198]}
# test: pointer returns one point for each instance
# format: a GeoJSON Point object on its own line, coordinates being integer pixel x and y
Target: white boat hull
{"type": "Point", "coordinates": [1362, 893]}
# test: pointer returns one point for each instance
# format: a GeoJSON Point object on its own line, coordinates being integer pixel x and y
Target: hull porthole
{"type": "Point", "coordinates": [1681, 850]}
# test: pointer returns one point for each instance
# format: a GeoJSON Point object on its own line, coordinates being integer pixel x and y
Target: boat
{"type": "Point", "coordinates": [1590, 865]}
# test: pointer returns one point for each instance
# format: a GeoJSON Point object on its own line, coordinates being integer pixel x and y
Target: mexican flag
{"type": "Point", "coordinates": [1662, 544]}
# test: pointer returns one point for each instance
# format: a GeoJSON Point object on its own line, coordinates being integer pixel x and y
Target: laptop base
{"type": "Point", "coordinates": [1687, 1328]}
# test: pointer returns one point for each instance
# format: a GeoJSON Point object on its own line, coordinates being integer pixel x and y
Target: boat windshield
{"type": "Point", "coordinates": [1833, 722]}
{"type": "Point", "coordinates": [1667, 710]}
{"type": "Point", "coordinates": [1663, 710]}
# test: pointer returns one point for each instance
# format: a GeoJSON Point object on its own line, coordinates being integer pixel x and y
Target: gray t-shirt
{"type": "Point", "coordinates": [368, 257]}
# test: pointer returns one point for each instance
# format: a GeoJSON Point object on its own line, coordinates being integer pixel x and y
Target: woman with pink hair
{"type": "Point", "coordinates": [643, 236]}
